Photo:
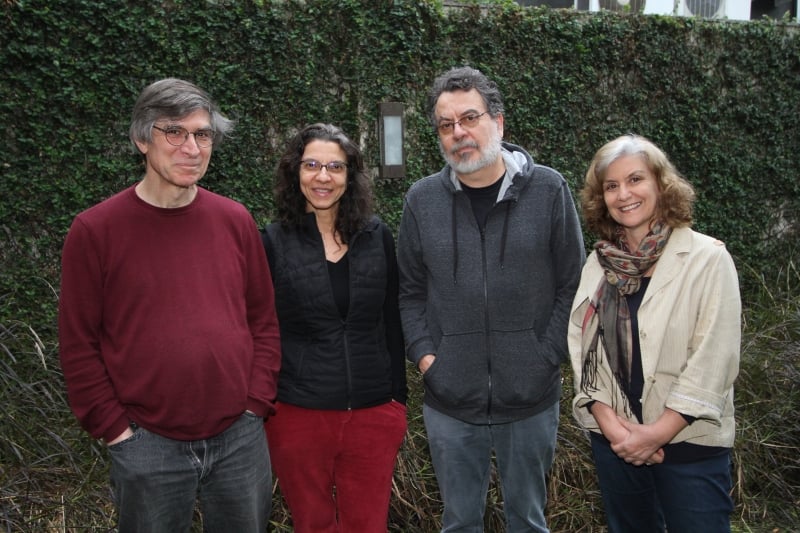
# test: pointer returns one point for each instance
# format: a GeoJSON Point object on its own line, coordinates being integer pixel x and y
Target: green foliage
{"type": "Point", "coordinates": [720, 97]}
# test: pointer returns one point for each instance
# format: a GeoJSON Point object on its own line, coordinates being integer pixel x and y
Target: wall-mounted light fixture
{"type": "Point", "coordinates": [391, 131]}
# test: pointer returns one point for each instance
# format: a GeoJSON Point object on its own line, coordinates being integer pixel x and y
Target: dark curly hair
{"type": "Point", "coordinates": [356, 206]}
{"type": "Point", "coordinates": [675, 198]}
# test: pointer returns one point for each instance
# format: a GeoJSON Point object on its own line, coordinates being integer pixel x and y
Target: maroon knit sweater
{"type": "Point", "coordinates": [167, 317]}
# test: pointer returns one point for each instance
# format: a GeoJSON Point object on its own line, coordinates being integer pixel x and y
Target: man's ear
{"type": "Point", "coordinates": [142, 146]}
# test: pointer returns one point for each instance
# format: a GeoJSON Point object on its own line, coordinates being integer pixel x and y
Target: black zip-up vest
{"type": "Point", "coordinates": [327, 362]}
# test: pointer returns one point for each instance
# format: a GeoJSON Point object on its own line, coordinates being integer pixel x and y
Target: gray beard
{"type": "Point", "coordinates": [488, 155]}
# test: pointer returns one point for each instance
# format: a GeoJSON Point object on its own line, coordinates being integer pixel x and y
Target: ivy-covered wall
{"type": "Point", "coordinates": [722, 98]}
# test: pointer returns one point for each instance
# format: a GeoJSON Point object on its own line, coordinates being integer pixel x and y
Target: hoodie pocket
{"type": "Point", "coordinates": [460, 373]}
{"type": "Point", "coordinates": [522, 371]}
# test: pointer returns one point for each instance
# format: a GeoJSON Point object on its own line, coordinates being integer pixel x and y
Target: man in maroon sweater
{"type": "Point", "coordinates": [168, 335]}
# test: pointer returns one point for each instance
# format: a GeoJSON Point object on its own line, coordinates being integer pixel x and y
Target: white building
{"type": "Point", "coordinates": [728, 9]}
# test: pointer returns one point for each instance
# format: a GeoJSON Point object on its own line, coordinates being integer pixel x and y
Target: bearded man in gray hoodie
{"type": "Point", "coordinates": [490, 254]}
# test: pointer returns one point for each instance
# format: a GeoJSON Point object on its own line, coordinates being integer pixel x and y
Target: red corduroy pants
{"type": "Point", "coordinates": [335, 468]}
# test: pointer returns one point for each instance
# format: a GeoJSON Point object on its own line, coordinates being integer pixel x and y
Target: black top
{"type": "Point", "coordinates": [634, 390]}
{"type": "Point", "coordinates": [482, 199]}
{"type": "Point", "coordinates": [339, 272]}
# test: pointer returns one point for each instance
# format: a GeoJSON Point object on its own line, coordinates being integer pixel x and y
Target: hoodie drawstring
{"type": "Point", "coordinates": [455, 240]}
{"type": "Point", "coordinates": [503, 238]}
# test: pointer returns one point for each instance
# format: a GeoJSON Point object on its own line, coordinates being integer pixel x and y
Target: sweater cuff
{"type": "Point", "coordinates": [117, 428]}
{"type": "Point", "coordinates": [420, 349]}
{"type": "Point", "coordinates": [259, 408]}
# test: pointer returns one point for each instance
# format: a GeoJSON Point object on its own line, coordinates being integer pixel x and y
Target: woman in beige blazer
{"type": "Point", "coordinates": [654, 339]}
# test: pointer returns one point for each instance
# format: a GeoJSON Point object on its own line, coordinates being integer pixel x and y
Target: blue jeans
{"type": "Point", "coordinates": [685, 497]}
{"type": "Point", "coordinates": [462, 456]}
{"type": "Point", "coordinates": [157, 480]}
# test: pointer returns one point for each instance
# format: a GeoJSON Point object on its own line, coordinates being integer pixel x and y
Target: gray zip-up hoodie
{"type": "Point", "coordinates": [491, 303]}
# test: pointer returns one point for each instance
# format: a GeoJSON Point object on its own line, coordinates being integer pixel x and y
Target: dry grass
{"type": "Point", "coordinates": [54, 478]}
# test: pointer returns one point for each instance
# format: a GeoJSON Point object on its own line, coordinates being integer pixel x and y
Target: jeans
{"type": "Point", "coordinates": [157, 480]}
{"type": "Point", "coordinates": [462, 455]}
{"type": "Point", "coordinates": [681, 497]}
{"type": "Point", "coordinates": [335, 467]}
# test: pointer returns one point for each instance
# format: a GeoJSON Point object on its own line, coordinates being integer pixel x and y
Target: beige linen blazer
{"type": "Point", "coordinates": [690, 338]}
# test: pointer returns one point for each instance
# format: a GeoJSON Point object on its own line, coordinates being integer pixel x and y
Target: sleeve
{"type": "Point", "coordinates": [413, 288]}
{"type": "Point", "coordinates": [702, 388]}
{"type": "Point", "coordinates": [391, 316]}
{"type": "Point", "coordinates": [91, 394]}
{"type": "Point", "coordinates": [263, 322]}
{"type": "Point", "coordinates": [266, 240]}
{"type": "Point", "coordinates": [568, 256]}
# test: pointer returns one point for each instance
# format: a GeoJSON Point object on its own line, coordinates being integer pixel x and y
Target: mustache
{"type": "Point", "coordinates": [463, 144]}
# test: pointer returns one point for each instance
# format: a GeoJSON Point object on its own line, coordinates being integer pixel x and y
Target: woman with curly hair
{"type": "Point", "coordinates": [654, 339]}
{"type": "Point", "coordinates": [340, 413]}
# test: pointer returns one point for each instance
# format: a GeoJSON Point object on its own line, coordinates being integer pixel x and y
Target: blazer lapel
{"type": "Point", "coordinates": [671, 262]}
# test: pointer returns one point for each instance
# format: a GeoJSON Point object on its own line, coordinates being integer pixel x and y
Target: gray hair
{"type": "Point", "coordinates": [174, 99]}
{"type": "Point", "coordinates": [465, 79]}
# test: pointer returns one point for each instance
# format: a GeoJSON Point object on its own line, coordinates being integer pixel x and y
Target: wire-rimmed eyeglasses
{"type": "Point", "coordinates": [467, 121]}
{"type": "Point", "coordinates": [177, 135]}
{"type": "Point", "coordinates": [314, 166]}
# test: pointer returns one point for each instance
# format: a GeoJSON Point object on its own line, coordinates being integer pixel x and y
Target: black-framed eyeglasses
{"type": "Point", "coordinates": [177, 135]}
{"type": "Point", "coordinates": [467, 121]}
{"type": "Point", "coordinates": [314, 166]}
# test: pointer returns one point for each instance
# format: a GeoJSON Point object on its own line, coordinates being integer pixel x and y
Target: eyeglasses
{"type": "Point", "coordinates": [176, 136]}
{"type": "Point", "coordinates": [467, 122]}
{"type": "Point", "coordinates": [334, 167]}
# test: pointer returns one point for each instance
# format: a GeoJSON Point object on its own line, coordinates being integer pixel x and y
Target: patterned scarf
{"type": "Point", "coordinates": [608, 319]}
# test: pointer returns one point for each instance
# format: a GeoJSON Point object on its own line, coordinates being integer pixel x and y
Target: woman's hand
{"type": "Point", "coordinates": [642, 446]}
{"type": "Point", "coordinates": [645, 441]}
{"type": "Point", "coordinates": [609, 423]}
